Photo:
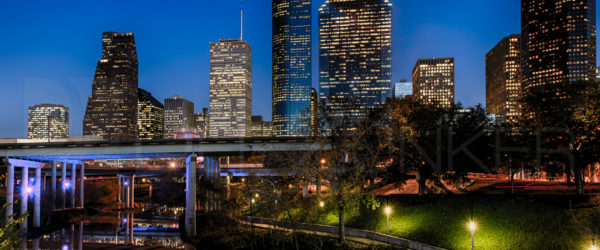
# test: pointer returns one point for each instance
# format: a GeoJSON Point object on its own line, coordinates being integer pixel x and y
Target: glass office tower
{"type": "Point", "coordinates": [291, 67]}
{"type": "Point", "coordinates": [355, 38]}
{"type": "Point", "coordinates": [111, 111]}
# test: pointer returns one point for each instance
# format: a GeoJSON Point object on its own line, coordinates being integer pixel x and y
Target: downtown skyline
{"type": "Point", "coordinates": [183, 69]}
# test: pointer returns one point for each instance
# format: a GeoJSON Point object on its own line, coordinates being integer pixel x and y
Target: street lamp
{"type": "Point", "coordinates": [472, 227]}
{"type": "Point", "coordinates": [172, 164]}
{"type": "Point", "coordinates": [321, 204]}
{"type": "Point", "coordinates": [388, 211]}
{"type": "Point", "coordinates": [67, 185]}
{"type": "Point", "coordinates": [323, 161]}
{"type": "Point", "coordinates": [28, 190]}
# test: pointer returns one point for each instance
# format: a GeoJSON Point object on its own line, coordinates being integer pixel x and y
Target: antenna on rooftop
{"type": "Point", "coordinates": [241, 20]}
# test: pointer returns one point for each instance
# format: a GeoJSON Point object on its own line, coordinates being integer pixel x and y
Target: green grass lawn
{"type": "Point", "coordinates": [503, 222]}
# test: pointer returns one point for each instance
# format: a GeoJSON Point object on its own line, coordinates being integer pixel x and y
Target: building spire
{"type": "Point", "coordinates": [241, 20]}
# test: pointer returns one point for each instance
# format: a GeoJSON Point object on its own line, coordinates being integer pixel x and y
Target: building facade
{"type": "Point", "coordinates": [558, 41]}
{"type": "Point", "coordinates": [179, 113]}
{"type": "Point", "coordinates": [261, 128]}
{"type": "Point", "coordinates": [503, 78]}
{"type": "Point", "coordinates": [433, 81]}
{"type": "Point", "coordinates": [230, 85]}
{"type": "Point", "coordinates": [47, 121]}
{"type": "Point", "coordinates": [150, 117]}
{"type": "Point", "coordinates": [202, 123]}
{"type": "Point", "coordinates": [355, 38]}
{"type": "Point", "coordinates": [111, 110]}
{"type": "Point", "coordinates": [402, 89]}
{"type": "Point", "coordinates": [292, 66]}
{"type": "Point", "coordinates": [314, 111]}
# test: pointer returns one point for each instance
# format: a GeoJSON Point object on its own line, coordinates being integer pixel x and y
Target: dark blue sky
{"type": "Point", "coordinates": [49, 49]}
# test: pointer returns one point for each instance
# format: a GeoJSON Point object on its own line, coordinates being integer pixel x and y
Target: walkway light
{"type": "Point", "coordinates": [256, 195]}
{"type": "Point", "coordinates": [323, 161]}
{"type": "Point", "coordinates": [253, 200]}
{"type": "Point", "coordinates": [321, 204]}
{"type": "Point", "coordinates": [67, 185]}
{"type": "Point", "coordinates": [472, 227]}
{"type": "Point", "coordinates": [388, 211]}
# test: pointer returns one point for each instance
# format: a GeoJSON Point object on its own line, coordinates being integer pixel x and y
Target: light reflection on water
{"type": "Point", "coordinates": [113, 229]}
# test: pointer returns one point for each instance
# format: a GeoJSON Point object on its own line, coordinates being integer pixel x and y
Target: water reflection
{"type": "Point", "coordinates": [112, 229]}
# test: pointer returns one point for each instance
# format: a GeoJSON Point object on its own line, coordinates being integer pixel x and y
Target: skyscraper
{"type": "Point", "coordinates": [112, 108]}
{"type": "Point", "coordinates": [433, 81]}
{"type": "Point", "coordinates": [402, 89]}
{"type": "Point", "coordinates": [503, 78]}
{"type": "Point", "coordinates": [179, 113]}
{"type": "Point", "coordinates": [47, 121]}
{"type": "Point", "coordinates": [558, 41]}
{"type": "Point", "coordinates": [150, 117]}
{"type": "Point", "coordinates": [314, 110]}
{"type": "Point", "coordinates": [291, 67]}
{"type": "Point", "coordinates": [202, 122]}
{"type": "Point", "coordinates": [261, 128]}
{"type": "Point", "coordinates": [355, 38]}
{"type": "Point", "coordinates": [230, 97]}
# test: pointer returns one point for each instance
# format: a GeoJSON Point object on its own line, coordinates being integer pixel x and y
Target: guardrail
{"type": "Point", "coordinates": [352, 232]}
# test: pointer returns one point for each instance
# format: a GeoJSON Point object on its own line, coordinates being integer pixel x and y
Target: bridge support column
{"type": "Point", "coordinates": [126, 185]}
{"type": "Point", "coordinates": [73, 183]}
{"type": "Point", "coordinates": [190, 187]}
{"type": "Point", "coordinates": [24, 197]}
{"type": "Point", "coordinates": [53, 188]}
{"type": "Point", "coordinates": [120, 191]}
{"type": "Point", "coordinates": [81, 180]}
{"type": "Point", "coordinates": [227, 183]}
{"type": "Point", "coordinates": [132, 198]}
{"type": "Point", "coordinates": [37, 198]}
{"type": "Point", "coordinates": [63, 180]}
{"type": "Point", "coordinates": [10, 191]}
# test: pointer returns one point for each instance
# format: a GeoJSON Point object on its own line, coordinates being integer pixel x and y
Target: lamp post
{"type": "Point", "coordinates": [388, 211]}
{"type": "Point", "coordinates": [472, 228]}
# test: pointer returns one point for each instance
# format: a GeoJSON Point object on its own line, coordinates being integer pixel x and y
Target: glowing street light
{"type": "Point", "coordinates": [65, 247]}
{"type": "Point", "coordinates": [172, 164]}
{"type": "Point", "coordinates": [323, 161]}
{"type": "Point", "coordinates": [28, 190]}
{"type": "Point", "coordinates": [253, 200]}
{"type": "Point", "coordinates": [388, 211]}
{"type": "Point", "coordinates": [256, 195]}
{"type": "Point", "coordinates": [321, 204]}
{"type": "Point", "coordinates": [67, 185]}
{"type": "Point", "coordinates": [472, 227]}
{"type": "Point", "coordinates": [125, 183]}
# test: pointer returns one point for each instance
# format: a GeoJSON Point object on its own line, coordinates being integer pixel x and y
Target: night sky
{"type": "Point", "coordinates": [49, 49]}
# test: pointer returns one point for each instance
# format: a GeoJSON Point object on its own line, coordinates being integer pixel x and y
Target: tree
{"type": "Point", "coordinates": [568, 115]}
{"type": "Point", "coordinates": [170, 189]}
{"type": "Point", "coordinates": [349, 157]}
{"type": "Point", "coordinates": [437, 142]}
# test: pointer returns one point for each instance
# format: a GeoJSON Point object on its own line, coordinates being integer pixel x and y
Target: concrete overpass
{"type": "Point", "coordinates": [40, 155]}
